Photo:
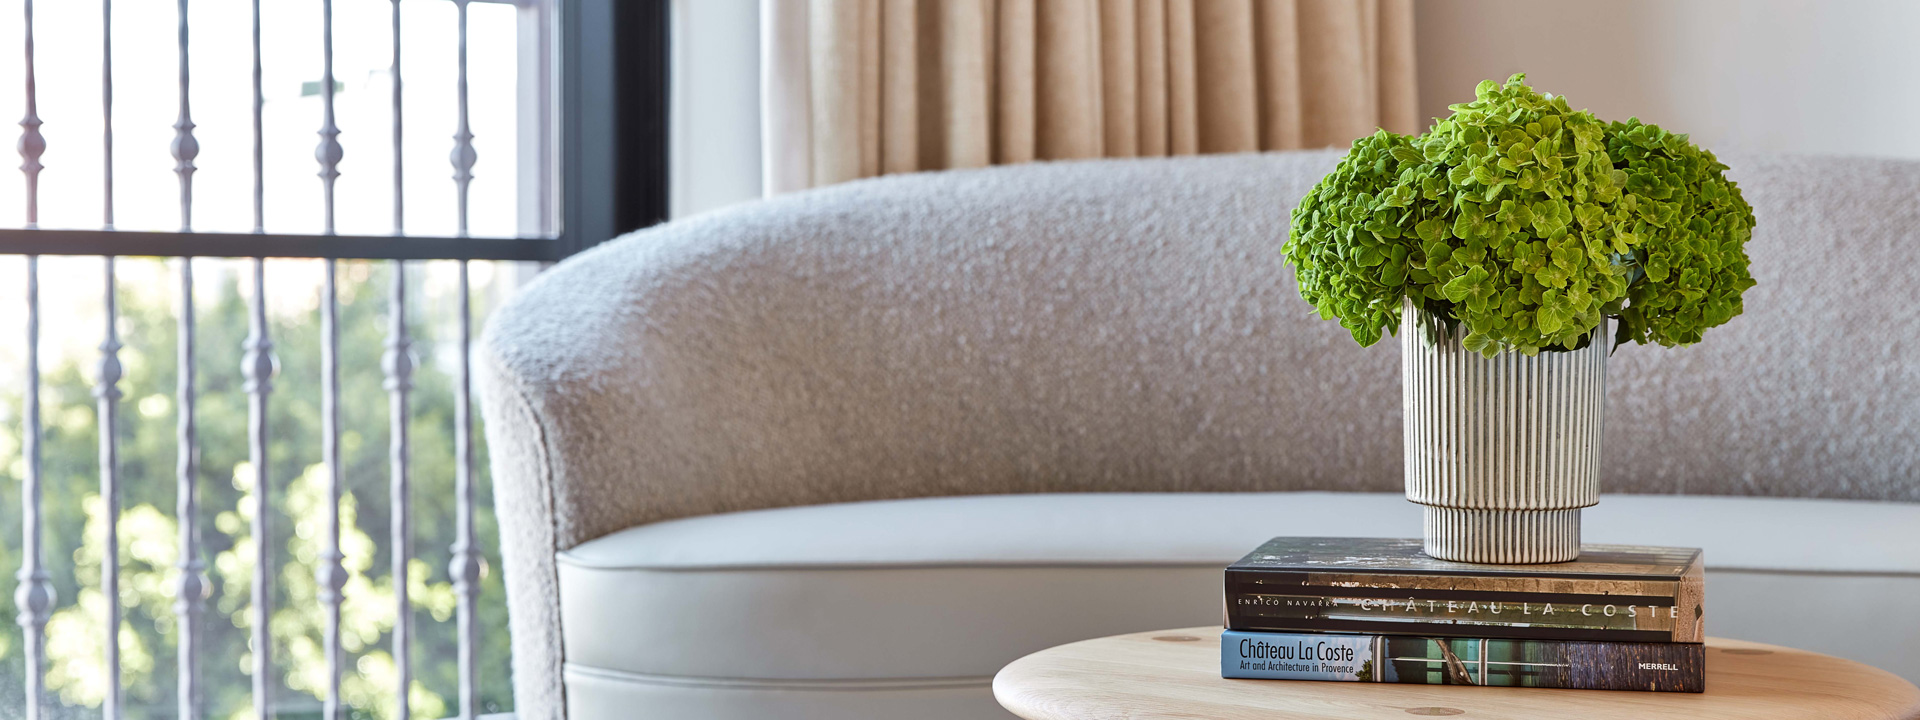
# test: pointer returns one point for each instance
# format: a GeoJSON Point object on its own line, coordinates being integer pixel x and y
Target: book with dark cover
{"type": "Point", "coordinates": [1612, 593]}
{"type": "Point", "coordinates": [1571, 664]}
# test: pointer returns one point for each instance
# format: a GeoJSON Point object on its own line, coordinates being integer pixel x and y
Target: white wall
{"type": "Point", "coordinates": [714, 131]}
{"type": "Point", "coordinates": [1833, 76]}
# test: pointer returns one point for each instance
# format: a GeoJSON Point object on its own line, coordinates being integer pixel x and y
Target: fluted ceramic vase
{"type": "Point", "coordinates": [1503, 452]}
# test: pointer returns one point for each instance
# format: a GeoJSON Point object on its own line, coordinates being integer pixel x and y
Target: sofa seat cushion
{"type": "Point", "coordinates": [938, 592]}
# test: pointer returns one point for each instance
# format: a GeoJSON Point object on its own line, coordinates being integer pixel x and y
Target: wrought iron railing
{"type": "Point", "coordinates": [34, 595]}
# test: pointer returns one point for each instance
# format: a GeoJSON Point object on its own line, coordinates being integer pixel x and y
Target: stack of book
{"type": "Point", "coordinates": [1620, 617]}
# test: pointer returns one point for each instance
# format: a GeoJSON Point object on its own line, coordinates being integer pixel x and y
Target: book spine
{"type": "Point", "coordinates": [1276, 602]}
{"type": "Point", "coordinates": [1579, 665]}
{"type": "Point", "coordinates": [1604, 622]}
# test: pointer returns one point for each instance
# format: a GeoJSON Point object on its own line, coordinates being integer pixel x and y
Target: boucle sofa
{"type": "Point", "coordinates": [844, 453]}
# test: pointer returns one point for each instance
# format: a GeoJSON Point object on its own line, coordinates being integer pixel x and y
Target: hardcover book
{"type": "Point", "coordinates": [1571, 664]}
{"type": "Point", "coordinates": [1612, 593]}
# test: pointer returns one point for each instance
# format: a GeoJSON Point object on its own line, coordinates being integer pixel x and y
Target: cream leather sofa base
{"type": "Point", "coordinates": [906, 608]}
{"type": "Point", "coordinates": [601, 694]}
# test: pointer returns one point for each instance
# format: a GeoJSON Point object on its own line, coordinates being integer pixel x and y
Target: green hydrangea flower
{"type": "Point", "coordinates": [1526, 223]}
{"type": "Point", "coordinates": [1691, 268]}
{"type": "Point", "coordinates": [1350, 249]}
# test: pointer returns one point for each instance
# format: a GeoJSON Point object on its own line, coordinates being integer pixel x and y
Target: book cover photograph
{"type": "Point", "coordinates": [1612, 593]}
{"type": "Point", "coordinates": [1580, 665]}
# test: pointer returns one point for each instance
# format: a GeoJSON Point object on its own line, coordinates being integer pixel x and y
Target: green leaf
{"type": "Point", "coordinates": [1466, 285]}
{"type": "Point", "coordinates": [1589, 215]}
{"type": "Point", "coordinates": [1550, 217]}
{"type": "Point", "coordinates": [1369, 257]}
{"type": "Point", "coordinates": [1365, 334]}
{"type": "Point", "coordinates": [1392, 273]}
{"type": "Point", "coordinates": [1657, 269]}
{"type": "Point", "coordinates": [1568, 255]}
{"type": "Point", "coordinates": [1464, 225]}
{"type": "Point", "coordinates": [1485, 175]}
{"type": "Point", "coordinates": [1543, 150]}
{"type": "Point", "coordinates": [1460, 175]}
{"type": "Point", "coordinates": [1480, 343]}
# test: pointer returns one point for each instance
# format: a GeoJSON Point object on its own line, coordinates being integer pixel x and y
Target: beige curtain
{"type": "Point", "coordinates": [855, 88]}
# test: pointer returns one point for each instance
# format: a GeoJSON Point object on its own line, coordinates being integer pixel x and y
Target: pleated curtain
{"type": "Point", "coordinates": [856, 88]}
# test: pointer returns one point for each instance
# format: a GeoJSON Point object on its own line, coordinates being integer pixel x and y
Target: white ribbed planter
{"type": "Point", "coordinates": [1503, 452]}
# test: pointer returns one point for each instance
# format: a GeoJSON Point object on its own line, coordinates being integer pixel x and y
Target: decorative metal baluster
{"type": "Point", "coordinates": [107, 394]}
{"type": "Point", "coordinates": [257, 367]}
{"type": "Point", "coordinates": [185, 147]}
{"type": "Point", "coordinates": [399, 167]}
{"type": "Point", "coordinates": [259, 142]}
{"type": "Point", "coordinates": [332, 576]}
{"type": "Point", "coordinates": [106, 124]}
{"type": "Point", "coordinates": [32, 143]}
{"type": "Point", "coordinates": [463, 156]}
{"type": "Point", "coordinates": [191, 591]}
{"type": "Point", "coordinates": [329, 151]}
{"type": "Point", "coordinates": [398, 365]}
{"type": "Point", "coordinates": [106, 390]}
{"type": "Point", "coordinates": [33, 596]}
{"type": "Point", "coordinates": [465, 565]}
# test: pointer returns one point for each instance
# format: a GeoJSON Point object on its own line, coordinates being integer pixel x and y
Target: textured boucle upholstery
{"type": "Point", "coordinates": [1117, 326]}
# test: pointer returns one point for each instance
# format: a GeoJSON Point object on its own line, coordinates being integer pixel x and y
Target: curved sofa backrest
{"type": "Point", "coordinates": [1131, 326]}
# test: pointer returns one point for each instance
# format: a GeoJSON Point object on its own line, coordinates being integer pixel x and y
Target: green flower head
{"type": "Point", "coordinates": [1527, 223]}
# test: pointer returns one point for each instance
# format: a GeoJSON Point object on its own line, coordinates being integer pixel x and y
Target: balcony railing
{"type": "Point", "coordinates": [544, 36]}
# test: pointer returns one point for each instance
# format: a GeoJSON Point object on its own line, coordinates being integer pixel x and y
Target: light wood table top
{"type": "Point", "coordinates": [1176, 674]}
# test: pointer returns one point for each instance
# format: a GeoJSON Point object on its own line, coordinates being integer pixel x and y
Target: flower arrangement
{"type": "Point", "coordinates": [1526, 223]}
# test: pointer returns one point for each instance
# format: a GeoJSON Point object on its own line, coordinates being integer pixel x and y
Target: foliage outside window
{"type": "Point", "coordinates": [72, 510]}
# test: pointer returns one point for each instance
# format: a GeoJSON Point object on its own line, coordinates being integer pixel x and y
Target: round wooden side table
{"type": "Point", "coordinates": [1176, 674]}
